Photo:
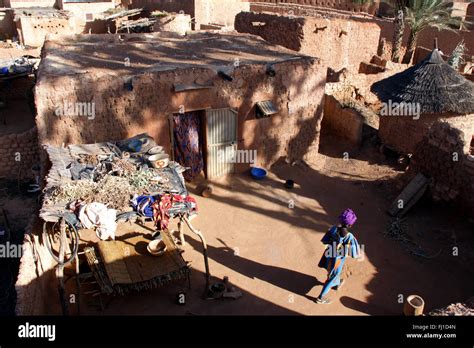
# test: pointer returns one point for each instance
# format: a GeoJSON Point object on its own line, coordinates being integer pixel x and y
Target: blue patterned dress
{"type": "Point", "coordinates": [337, 249]}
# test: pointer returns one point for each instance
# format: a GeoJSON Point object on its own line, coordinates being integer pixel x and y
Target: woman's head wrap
{"type": "Point", "coordinates": [348, 217]}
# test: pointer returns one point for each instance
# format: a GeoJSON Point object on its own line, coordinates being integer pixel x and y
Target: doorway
{"type": "Point", "coordinates": [202, 140]}
{"type": "Point", "coordinates": [221, 142]}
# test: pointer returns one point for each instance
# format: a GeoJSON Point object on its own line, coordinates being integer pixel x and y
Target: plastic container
{"type": "Point", "coordinates": [159, 161]}
{"type": "Point", "coordinates": [258, 173]}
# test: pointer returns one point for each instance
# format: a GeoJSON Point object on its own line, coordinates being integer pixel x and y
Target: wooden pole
{"type": "Point", "coordinates": [204, 245]}
{"type": "Point", "coordinates": [60, 267]}
{"type": "Point", "coordinates": [78, 285]}
{"type": "Point", "coordinates": [181, 234]}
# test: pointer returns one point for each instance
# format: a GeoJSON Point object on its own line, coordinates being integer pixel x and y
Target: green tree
{"type": "Point", "coordinates": [424, 14]}
{"type": "Point", "coordinates": [457, 56]}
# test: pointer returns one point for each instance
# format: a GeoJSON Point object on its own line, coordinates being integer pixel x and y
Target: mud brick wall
{"type": "Point", "coordinates": [297, 91]}
{"type": "Point", "coordinates": [453, 180]}
{"type": "Point", "coordinates": [165, 5]}
{"type": "Point", "coordinates": [346, 123]}
{"type": "Point", "coordinates": [221, 12]}
{"type": "Point", "coordinates": [447, 39]}
{"type": "Point", "coordinates": [338, 42]}
{"type": "Point", "coordinates": [352, 85]}
{"type": "Point", "coordinates": [33, 30]}
{"type": "Point", "coordinates": [22, 147]}
{"type": "Point", "coordinates": [279, 30]}
{"type": "Point", "coordinates": [470, 16]}
{"type": "Point", "coordinates": [345, 5]}
{"type": "Point", "coordinates": [29, 3]}
{"type": "Point", "coordinates": [346, 11]}
{"type": "Point", "coordinates": [36, 276]}
{"type": "Point", "coordinates": [7, 26]}
{"type": "Point", "coordinates": [403, 133]}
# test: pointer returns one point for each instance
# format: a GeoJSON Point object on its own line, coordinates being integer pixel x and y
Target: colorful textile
{"type": "Point", "coordinates": [161, 209]}
{"type": "Point", "coordinates": [338, 247]}
{"type": "Point", "coordinates": [348, 217]}
{"type": "Point", "coordinates": [187, 147]}
{"type": "Point", "coordinates": [142, 205]}
{"type": "Point", "coordinates": [167, 205]}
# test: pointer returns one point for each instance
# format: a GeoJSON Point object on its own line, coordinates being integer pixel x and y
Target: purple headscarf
{"type": "Point", "coordinates": [348, 217]}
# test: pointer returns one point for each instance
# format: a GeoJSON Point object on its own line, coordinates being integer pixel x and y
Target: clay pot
{"type": "Point", "coordinates": [207, 191]}
{"type": "Point", "coordinates": [414, 306]}
{"type": "Point", "coordinates": [157, 247]}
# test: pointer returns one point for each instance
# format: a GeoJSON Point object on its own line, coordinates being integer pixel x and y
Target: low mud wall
{"type": "Point", "coordinates": [36, 276]}
{"type": "Point", "coordinates": [443, 155]}
{"type": "Point", "coordinates": [338, 42]}
{"type": "Point", "coordinates": [18, 153]}
{"type": "Point", "coordinates": [345, 123]}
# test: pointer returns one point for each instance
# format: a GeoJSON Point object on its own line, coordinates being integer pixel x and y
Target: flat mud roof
{"type": "Point", "coordinates": [135, 53]}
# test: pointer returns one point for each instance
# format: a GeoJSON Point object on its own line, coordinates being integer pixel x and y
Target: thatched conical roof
{"type": "Point", "coordinates": [432, 83]}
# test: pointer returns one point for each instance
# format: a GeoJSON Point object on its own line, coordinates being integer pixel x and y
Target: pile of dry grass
{"type": "Point", "coordinates": [113, 191]}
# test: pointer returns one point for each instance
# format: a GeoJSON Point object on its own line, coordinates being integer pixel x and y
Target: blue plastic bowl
{"type": "Point", "coordinates": [258, 173]}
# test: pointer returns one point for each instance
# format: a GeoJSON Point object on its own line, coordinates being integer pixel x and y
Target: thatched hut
{"type": "Point", "coordinates": [413, 100]}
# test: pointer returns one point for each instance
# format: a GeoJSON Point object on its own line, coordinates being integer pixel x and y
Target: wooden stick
{"type": "Point", "coordinates": [204, 245]}
{"type": "Point", "coordinates": [60, 268]}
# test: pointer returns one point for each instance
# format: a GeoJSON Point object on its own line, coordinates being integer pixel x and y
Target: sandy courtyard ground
{"type": "Point", "coordinates": [270, 251]}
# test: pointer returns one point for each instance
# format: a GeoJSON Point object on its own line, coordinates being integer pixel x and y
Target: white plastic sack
{"type": "Point", "coordinates": [98, 216]}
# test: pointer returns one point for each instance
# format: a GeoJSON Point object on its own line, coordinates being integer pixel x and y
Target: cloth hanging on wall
{"type": "Point", "coordinates": [187, 145]}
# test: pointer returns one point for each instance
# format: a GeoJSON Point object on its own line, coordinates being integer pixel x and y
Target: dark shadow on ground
{"type": "Point", "coordinates": [363, 307]}
{"type": "Point", "coordinates": [293, 281]}
{"type": "Point", "coordinates": [397, 269]}
{"type": "Point", "coordinates": [154, 301]}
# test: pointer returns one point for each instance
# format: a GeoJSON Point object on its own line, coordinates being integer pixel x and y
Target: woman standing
{"type": "Point", "coordinates": [340, 243]}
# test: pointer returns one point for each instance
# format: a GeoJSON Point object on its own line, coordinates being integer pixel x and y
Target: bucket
{"type": "Point", "coordinates": [414, 306]}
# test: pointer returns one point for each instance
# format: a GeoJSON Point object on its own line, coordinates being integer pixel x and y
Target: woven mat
{"type": "Point", "coordinates": [127, 261]}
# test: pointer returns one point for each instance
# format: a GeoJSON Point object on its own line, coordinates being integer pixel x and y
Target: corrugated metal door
{"type": "Point", "coordinates": [221, 137]}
